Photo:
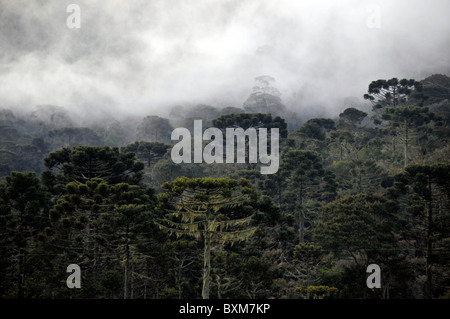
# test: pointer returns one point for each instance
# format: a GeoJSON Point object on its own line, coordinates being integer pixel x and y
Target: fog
{"type": "Point", "coordinates": [143, 57]}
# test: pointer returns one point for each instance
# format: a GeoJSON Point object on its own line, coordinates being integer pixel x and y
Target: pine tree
{"type": "Point", "coordinates": [23, 207]}
{"type": "Point", "coordinates": [427, 190]}
{"type": "Point", "coordinates": [407, 118]}
{"type": "Point", "coordinates": [195, 208]}
{"type": "Point", "coordinates": [304, 184]}
{"type": "Point", "coordinates": [83, 163]}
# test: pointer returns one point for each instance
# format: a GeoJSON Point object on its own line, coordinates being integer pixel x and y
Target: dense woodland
{"type": "Point", "coordinates": [371, 186]}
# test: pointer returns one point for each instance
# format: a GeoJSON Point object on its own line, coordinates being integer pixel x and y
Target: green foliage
{"type": "Point", "coordinates": [307, 184]}
{"type": "Point", "coordinates": [84, 163]}
{"type": "Point", "coordinates": [317, 128]}
{"type": "Point", "coordinates": [412, 115]}
{"type": "Point", "coordinates": [391, 92]}
{"type": "Point", "coordinates": [426, 191]}
{"type": "Point", "coordinates": [147, 152]}
{"type": "Point", "coordinates": [199, 203]}
{"type": "Point", "coordinates": [257, 275]}
{"type": "Point", "coordinates": [198, 211]}
{"type": "Point", "coordinates": [73, 136]}
{"type": "Point", "coordinates": [407, 119]}
{"type": "Point", "coordinates": [23, 211]}
{"type": "Point", "coordinates": [252, 120]}
{"type": "Point", "coordinates": [352, 115]}
{"type": "Point", "coordinates": [435, 88]}
{"type": "Point", "coordinates": [317, 292]}
{"type": "Point", "coordinates": [154, 129]}
{"type": "Point", "coordinates": [348, 193]}
{"type": "Point", "coordinates": [357, 225]}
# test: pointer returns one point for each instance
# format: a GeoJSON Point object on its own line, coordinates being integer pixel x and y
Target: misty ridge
{"type": "Point", "coordinates": [136, 71]}
{"type": "Point", "coordinates": [354, 96]}
{"type": "Point", "coordinates": [146, 57]}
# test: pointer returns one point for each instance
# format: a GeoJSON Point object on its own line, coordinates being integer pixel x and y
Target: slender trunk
{"type": "Point", "coordinates": [95, 266]}
{"type": "Point", "coordinates": [301, 219]}
{"type": "Point", "coordinates": [406, 143]}
{"type": "Point", "coordinates": [127, 257]}
{"type": "Point", "coordinates": [393, 142]}
{"type": "Point", "coordinates": [206, 265]}
{"type": "Point", "coordinates": [385, 294]}
{"type": "Point", "coordinates": [307, 274]}
{"type": "Point", "coordinates": [394, 94]}
{"type": "Point", "coordinates": [219, 288]}
{"type": "Point", "coordinates": [21, 275]}
{"type": "Point", "coordinates": [360, 179]}
{"type": "Point", "coordinates": [90, 169]}
{"type": "Point", "coordinates": [429, 288]}
{"type": "Point", "coordinates": [145, 289]}
{"type": "Point", "coordinates": [180, 267]}
{"type": "Point", "coordinates": [132, 283]}
{"type": "Point", "coordinates": [147, 271]}
{"type": "Point", "coordinates": [92, 233]}
{"type": "Point", "coordinates": [302, 227]}
{"type": "Point", "coordinates": [279, 192]}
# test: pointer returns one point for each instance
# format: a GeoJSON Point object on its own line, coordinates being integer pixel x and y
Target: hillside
{"type": "Point", "coordinates": [350, 191]}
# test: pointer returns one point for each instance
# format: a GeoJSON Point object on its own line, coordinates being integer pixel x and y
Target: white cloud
{"type": "Point", "coordinates": [141, 56]}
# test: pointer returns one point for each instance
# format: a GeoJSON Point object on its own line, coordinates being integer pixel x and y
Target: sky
{"type": "Point", "coordinates": [144, 57]}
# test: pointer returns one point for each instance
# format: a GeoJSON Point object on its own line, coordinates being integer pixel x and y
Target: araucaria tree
{"type": "Point", "coordinates": [391, 92]}
{"type": "Point", "coordinates": [196, 207]}
{"type": "Point", "coordinates": [426, 189]}
{"type": "Point", "coordinates": [407, 118]}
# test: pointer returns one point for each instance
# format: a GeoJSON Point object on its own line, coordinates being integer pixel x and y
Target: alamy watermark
{"type": "Point", "coordinates": [374, 19]}
{"type": "Point", "coordinates": [374, 280]}
{"type": "Point", "coordinates": [74, 280]}
{"type": "Point", "coordinates": [73, 21]}
{"type": "Point", "coordinates": [214, 151]}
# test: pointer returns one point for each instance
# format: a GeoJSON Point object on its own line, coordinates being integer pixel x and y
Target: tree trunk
{"type": "Point", "coordinates": [393, 143]}
{"type": "Point", "coordinates": [206, 265]}
{"type": "Point", "coordinates": [394, 95]}
{"type": "Point", "coordinates": [22, 244]}
{"type": "Point", "coordinates": [219, 288]}
{"type": "Point", "coordinates": [429, 287]}
{"type": "Point", "coordinates": [90, 174]}
{"type": "Point", "coordinates": [147, 271]}
{"type": "Point", "coordinates": [95, 265]}
{"type": "Point", "coordinates": [20, 276]}
{"type": "Point", "coordinates": [180, 268]}
{"type": "Point", "coordinates": [279, 192]}
{"type": "Point", "coordinates": [127, 257]}
{"type": "Point", "coordinates": [301, 219]}
{"type": "Point", "coordinates": [406, 143]}
{"type": "Point", "coordinates": [302, 227]}
{"type": "Point", "coordinates": [385, 294]}
{"type": "Point", "coordinates": [132, 282]}
{"type": "Point", "coordinates": [360, 179]}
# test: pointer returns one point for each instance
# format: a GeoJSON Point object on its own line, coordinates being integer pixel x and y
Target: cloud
{"type": "Point", "coordinates": [142, 57]}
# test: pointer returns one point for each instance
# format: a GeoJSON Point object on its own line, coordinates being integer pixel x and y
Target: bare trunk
{"type": "Point", "coordinates": [127, 257]}
{"type": "Point", "coordinates": [302, 227]}
{"type": "Point", "coordinates": [132, 283]}
{"type": "Point", "coordinates": [301, 219]}
{"type": "Point", "coordinates": [206, 266]}
{"type": "Point", "coordinates": [279, 192]}
{"type": "Point", "coordinates": [21, 275]}
{"type": "Point", "coordinates": [429, 284]}
{"type": "Point", "coordinates": [180, 267]}
{"type": "Point", "coordinates": [406, 143]}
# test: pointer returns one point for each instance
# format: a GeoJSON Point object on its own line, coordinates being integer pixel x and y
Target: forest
{"type": "Point", "coordinates": [369, 186]}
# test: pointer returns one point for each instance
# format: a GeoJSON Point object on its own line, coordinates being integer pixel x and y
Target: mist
{"type": "Point", "coordinates": [144, 57]}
